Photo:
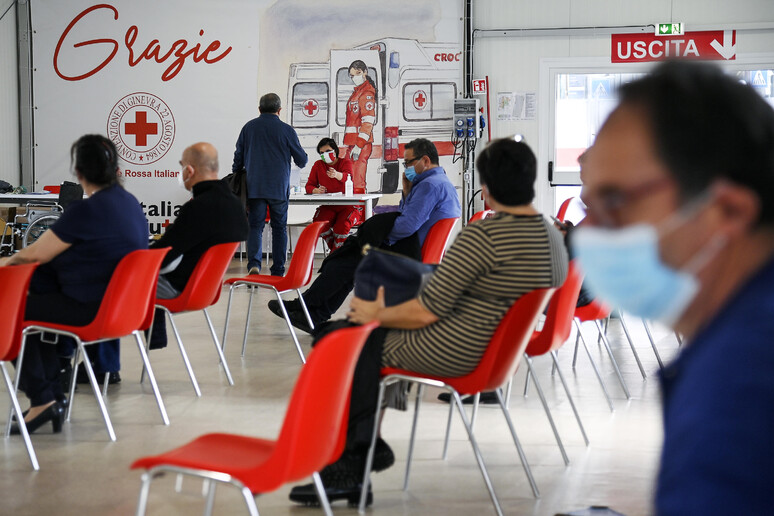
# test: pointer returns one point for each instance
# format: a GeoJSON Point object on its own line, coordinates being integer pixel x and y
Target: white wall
{"type": "Point", "coordinates": [512, 64]}
{"type": "Point", "coordinates": [9, 96]}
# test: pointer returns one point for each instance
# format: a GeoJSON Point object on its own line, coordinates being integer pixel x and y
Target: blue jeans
{"type": "Point", "coordinates": [256, 216]}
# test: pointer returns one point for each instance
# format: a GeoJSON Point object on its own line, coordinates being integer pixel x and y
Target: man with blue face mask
{"type": "Point", "coordinates": [679, 186]}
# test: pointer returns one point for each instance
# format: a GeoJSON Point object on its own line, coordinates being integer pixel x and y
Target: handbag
{"type": "Point", "coordinates": [403, 278]}
{"type": "Point", "coordinates": [237, 183]}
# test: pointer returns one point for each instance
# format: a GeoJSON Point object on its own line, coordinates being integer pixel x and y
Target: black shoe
{"type": "Point", "coordinates": [60, 398]}
{"type": "Point", "coordinates": [290, 306]}
{"type": "Point", "coordinates": [297, 317]}
{"type": "Point", "coordinates": [83, 377]}
{"type": "Point", "coordinates": [383, 456]}
{"type": "Point", "coordinates": [487, 398]}
{"type": "Point", "coordinates": [54, 413]}
{"type": "Point", "coordinates": [307, 494]}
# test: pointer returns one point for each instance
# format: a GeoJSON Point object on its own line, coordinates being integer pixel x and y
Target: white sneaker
{"type": "Point", "coordinates": [254, 270]}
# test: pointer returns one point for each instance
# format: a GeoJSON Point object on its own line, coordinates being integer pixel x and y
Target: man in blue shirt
{"type": "Point", "coordinates": [428, 196]}
{"type": "Point", "coordinates": [264, 149]}
{"type": "Point", "coordinates": [681, 178]}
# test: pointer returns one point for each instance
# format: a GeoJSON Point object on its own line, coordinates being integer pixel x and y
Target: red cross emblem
{"type": "Point", "coordinates": [141, 128]}
{"type": "Point", "coordinates": [310, 107]}
{"type": "Point", "coordinates": [420, 100]}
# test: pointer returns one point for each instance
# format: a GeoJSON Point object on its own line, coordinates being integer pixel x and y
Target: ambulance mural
{"type": "Point", "coordinates": [375, 98]}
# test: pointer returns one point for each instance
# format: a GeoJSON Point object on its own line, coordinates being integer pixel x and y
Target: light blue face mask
{"type": "Point", "coordinates": [624, 268]}
{"type": "Point", "coordinates": [410, 173]}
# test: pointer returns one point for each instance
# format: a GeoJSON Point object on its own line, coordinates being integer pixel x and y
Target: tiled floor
{"type": "Point", "coordinates": [83, 473]}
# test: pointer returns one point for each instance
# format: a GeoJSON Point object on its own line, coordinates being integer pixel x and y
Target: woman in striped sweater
{"type": "Point", "coordinates": [446, 329]}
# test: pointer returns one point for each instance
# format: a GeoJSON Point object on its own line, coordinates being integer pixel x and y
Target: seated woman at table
{"type": "Point", "coordinates": [77, 256]}
{"type": "Point", "coordinates": [447, 328]}
{"type": "Point", "coordinates": [329, 175]}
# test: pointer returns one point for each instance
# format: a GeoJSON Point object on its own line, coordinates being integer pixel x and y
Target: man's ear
{"type": "Point", "coordinates": [737, 208]}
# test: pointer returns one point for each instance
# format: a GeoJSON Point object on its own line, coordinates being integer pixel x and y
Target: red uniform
{"type": "Point", "coordinates": [361, 117]}
{"type": "Point", "coordinates": [341, 218]}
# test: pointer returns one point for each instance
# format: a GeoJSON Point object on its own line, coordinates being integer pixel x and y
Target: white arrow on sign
{"type": "Point", "coordinates": [728, 49]}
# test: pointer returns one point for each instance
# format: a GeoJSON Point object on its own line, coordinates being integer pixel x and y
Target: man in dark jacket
{"type": "Point", "coordinates": [264, 148]}
{"type": "Point", "coordinates": [213, 216]}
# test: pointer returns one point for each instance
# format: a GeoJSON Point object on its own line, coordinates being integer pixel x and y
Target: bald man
{"type": "Point", "coordinates": [213, 216]}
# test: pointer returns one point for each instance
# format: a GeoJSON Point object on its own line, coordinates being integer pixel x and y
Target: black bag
{"type": "Point", "coordinates": [5, 187]}
{"type": "Point", "coordinates": [69, 192]}
{"type": "Point", "coordinates": [237, 182]}
{"type": "Point", "coordinates": [402, 277]}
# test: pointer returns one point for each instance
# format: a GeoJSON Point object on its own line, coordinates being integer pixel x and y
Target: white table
{"type": "Point", "coordinates": [366, 200]}
{"type": "Point", "coordinates": [21, 199]}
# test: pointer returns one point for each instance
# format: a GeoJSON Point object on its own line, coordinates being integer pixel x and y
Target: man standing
{"type": "Point", "coordinates": [680, 184]}
{"type": "Point", "coordinates": [428, 196]}
{"type": "Point", "coordinates": [213, 216]}
{"type": "Point", "coordinates": [264, 148]}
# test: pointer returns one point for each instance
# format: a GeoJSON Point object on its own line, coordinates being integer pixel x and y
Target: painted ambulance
{"type": "Point", "coordinates": [416, 84]}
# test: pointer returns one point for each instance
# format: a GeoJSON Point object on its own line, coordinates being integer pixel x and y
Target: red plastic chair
{"type": "Point", "coordinates": [497, 366]}
{"type": "Point", "coordinates": [54, 189]}
{"type": "Point", "coordinates": [436, 240]}
{"type": "Point", "coordinates": [202, 291]}
{"type": "Point", "coordinates": [563, 208]}
{"type": "Point", "coordinates": [312, 435]}
{"type": "Point", "coordinates": [481, 215]}
{"type": "Point", "coordinates": [298, 275]}
{"type": "Point", "coordinates": [126, 309]}
{"type": "Point", "coordinates": [15, 281]}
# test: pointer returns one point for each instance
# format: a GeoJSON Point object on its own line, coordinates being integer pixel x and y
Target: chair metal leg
{"type": "Point", "coordinates": [448, 431]}
{"type": "Point", "coordinates": [97, 393]}
{"type": "Point", "coordinates": [612, 359]}
{"type": "Point", "coordinates": [211, 485]}
{"type": "Point", "coordinates": [17, 368]}
{"type": "Point", "coordinates": [305, 309]}
{"type": "Point", "coordinates": [142, 501]}
{"type": "Point", "coordinates": [151, 377]}
{"type": "Point", "coordinates": [542, 397]}
{"type": "Point", "coordinates": [575, 352]}
{"type": "Point", "coordinates": [249, 501]}
{"type": "Point", "coordinates": [73, 376]}
{"type": "Point", "coordinates": [228, 316]}
{"type": "Point", "coordinates": [370, 456]}
{"type": "Point", "coordinates": [526, 384]}
{"type": "Point", "coordinates": [105, 384]}
{"type": "Point", "coordinates": [183, 353]}
{"type": "Point", "coordinates": [679, 343]}
{"type": "Point", "coordinates": [420, 392]}
{"type": "Point", "coordinates": [476, 451]}
{"type": "Point", "coordinates": [147, 343]}
{"type": "Point", "coordinates": [569, 397]}
{"type": "Point", "coordinates": [474, 412]}
{"type": "Point", "coordinates": [519, 449]}
{"type": "Point", "coordinates": [218, 348]}
{"type": "Point", "coordinates": [19, 417]}
{"type": "Point", "coordinates": [631, 344]}
{"type": "Point", "coordinates": [247, 320]}
{"type": "Point", "coordinates": [594, 365]}
{"type": "Point", "coordinates": [508, 389]}
{"type": "Point", "coordinates": [290, 327]}
{"type": "Point", "coordinates": [326, 506]}
{"type": "Point", "coordinates": [653, 342]}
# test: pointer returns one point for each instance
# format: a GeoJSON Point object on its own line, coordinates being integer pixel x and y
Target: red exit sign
{"type": "Point", "coordinates": [715, 45]}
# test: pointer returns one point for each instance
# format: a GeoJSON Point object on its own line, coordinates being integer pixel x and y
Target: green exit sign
{"type": "Point", "coordinates": [670, 29]}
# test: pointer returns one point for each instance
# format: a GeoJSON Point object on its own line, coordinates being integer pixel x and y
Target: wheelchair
{"type": "Point", "coordinates": [26, 228]}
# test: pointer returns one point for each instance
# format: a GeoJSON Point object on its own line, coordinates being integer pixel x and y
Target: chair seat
{"type": "Point", "coordinates": [244, 458]}
{"type": "Point", "coordinates": [88, 333]}
{"type": "Point", "coordinates": [462, 384]}
{"type": "Point", "coordinates": [281, 283]}
{"type": "Point", "coordinates": [592, 311]}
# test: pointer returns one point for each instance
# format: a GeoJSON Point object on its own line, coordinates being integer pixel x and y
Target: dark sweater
{"type": "Point", "coordinates": [214, 216]}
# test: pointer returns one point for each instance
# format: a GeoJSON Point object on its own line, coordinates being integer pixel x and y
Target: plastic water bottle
{"type": "Point", "coordinates": [348, 188]}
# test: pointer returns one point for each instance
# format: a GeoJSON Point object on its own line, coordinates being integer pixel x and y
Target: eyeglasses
{"type": "Point", "coordinates": [606, 205]}
{"type": "Point", "coordinates": [407, 163]}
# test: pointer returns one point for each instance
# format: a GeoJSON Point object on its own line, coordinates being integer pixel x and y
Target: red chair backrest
{"type": "Point", "coordinates": [15, 281]}
{"type": "Point", "coordinates": [593, 311]}
{"type": "Point", "coordinates": [502, 356]}
{"type": "Point", "coordinates": [53, 188]}
{"type": "Point", "coordinates": [481, 215]}
{"type": "Point", "coordinates": [129, 296]}
{"type": "Point", "coordinates": [299, 270]}
{"type": "Point", "coordinates": [436, 240]}
{"type": "Point", "coordinates": [203, 287]}
{"type": "Point", "coordinates": [561, 310]}
{"type": "Point", "coordinates": [563, 208]}
{"type": "Point", "coordinates": [314, 431]}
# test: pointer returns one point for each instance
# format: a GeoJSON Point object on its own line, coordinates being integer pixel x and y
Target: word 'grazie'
{"type": "Point", "coordinates": [178, 52]}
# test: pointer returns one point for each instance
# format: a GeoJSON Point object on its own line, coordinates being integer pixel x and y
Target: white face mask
{"type": "Point", "coordinates": [180, 181]}
{"type": "Point", "coordinates": [358, 79]}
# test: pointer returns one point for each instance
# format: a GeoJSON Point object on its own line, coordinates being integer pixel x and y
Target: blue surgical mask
{"type": "Point", "coordinates": [410, 173]}
{"type": "Point", "coordinates": [624, 268]}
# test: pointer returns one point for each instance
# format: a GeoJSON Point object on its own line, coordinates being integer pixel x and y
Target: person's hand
{"type": "Point", "coordinates": [319, 189]}
{"type": "Point", "coordinates": [362, 311]}
{"type": "Point", "coordinates": [333, 174]}
{"type": "Point", "coordinates": [355, 152]}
